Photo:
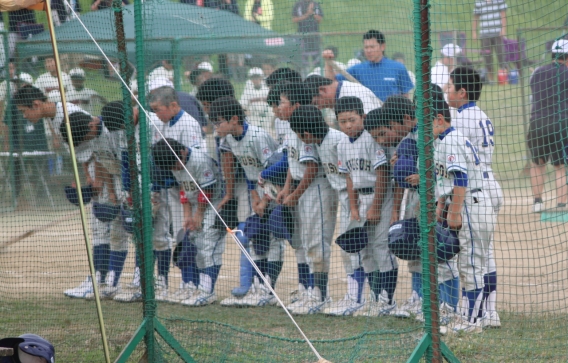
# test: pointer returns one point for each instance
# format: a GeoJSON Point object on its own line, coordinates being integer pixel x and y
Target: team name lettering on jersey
{"type": "Point", "coordinates": [246, 160]}
{"type": "Point", "coordinates": [359, 164]}
{"type": "Point", "coordinates": [330, 168]}
{"type": "Point", "coordinates": [294, 154]}
{"type": "Point", "coordinates": [441, 171]}
{"type": "Point", "coordinates": [189, 186]}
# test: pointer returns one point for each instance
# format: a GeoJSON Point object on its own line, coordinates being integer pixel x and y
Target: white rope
{"type": "Point", "coordinates": [231, 232]}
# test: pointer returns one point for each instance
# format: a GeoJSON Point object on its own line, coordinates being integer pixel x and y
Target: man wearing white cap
{"type": "Point", "coordinates": [253, 100]}
{"type": "Point", "coordinates": [440, 73]}
{"type": "Point", "coordinates": [546, 138]}
{"type": "Point", "coordinates": [78, 94]}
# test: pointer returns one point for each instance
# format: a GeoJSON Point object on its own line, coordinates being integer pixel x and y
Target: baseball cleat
{"type": "Point", "coordinates": [129, 294]}
{"type": "Point", "coordinates": [376, 307]}
{"type": "Point", "coordinates": [463, 325]}
{"type": "Point", "coordinates": [298, 299]}
{"type": "Point", "coordinates": [296, 294]}
{"type": "Point", "coordinates": [412, 306]}
{"type": "Point", "coordinates": [344, 307]}
{"type": "Point", "coordinates": [109, 292]}
{"type": "Point", "coordinates": [83, 290]}
{"type": "Point", "coordinates": [161, 289]}
{"type": "Point", "coordinates": [200, 298]}
{"type": "Point", "coordinates": [311, 304]}
{"type": "Point", "coordinates": [185, 292]}
{"type": "Point", "coordinates": [240, 291]}
{"type": "Point", "coordinates": [490, 320]}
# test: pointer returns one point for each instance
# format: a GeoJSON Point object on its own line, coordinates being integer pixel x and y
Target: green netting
{"type": "Point", "coordinates": [259, 104]}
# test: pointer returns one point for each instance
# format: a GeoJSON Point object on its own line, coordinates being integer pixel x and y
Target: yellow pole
{"type": "Point", "coordinates": [77, 181]}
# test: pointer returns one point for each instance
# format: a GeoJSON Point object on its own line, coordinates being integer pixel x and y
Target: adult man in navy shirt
{"type": "Point", "coordinates": [385, 77]}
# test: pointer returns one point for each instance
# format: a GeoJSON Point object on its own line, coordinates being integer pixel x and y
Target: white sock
{"type": "Point", "coordinates": [136, 278]}
{"type": "Point", "coordinates": [98, 277]}
{"type": "Point", "coordinates": [205, 282]}
{"type": "Point", "coordinates": [352, 287]}
{"type": "Point", "coordinates": [491, 302]}
{"type": "Point", "coordinates": [109, 281]}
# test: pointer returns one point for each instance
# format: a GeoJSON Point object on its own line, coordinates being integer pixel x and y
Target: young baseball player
{"type": "Point", "coordinates": [172, 122]}
{"type": "Point", "coordinates": [235, 182]}
{"type": "Point", "coordinates": [464, 206]}
{"type": "Point", "coordinates": [397, 114]}
{"type": "Point", "coordinates": [464, 90]}
{"type": "Point", "coordinates": [198, 214]}
{"type": "Point", "coordinates": [313, 130]}
{"type": "Point", "coordinates": [370, 193]}
{"type": "Point", "coordinates": [304, 179]}
{"type": "Point", "coordinates": [89, 132]}
{"type": "Point", "coordinates": [314, 199]}
{"type": "Point", "coordinates": [253, 147]}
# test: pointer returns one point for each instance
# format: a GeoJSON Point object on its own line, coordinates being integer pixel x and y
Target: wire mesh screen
{"type": "Point", "coordinates": [284, 181]}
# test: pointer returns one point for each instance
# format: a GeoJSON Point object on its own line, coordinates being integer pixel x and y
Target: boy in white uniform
{"type": "Point", "coordinates": [252, 147]}
{"type": "Point", "coordinates": [199, 215]}
{"type": "Point", "coordinates": [464, 206]}
{"type": "Point", "coordinates": [370, 191]}
{"type": "Point", "coordinates": [315, 131]}
{"type": "Point", "coordinates": [464, 90]}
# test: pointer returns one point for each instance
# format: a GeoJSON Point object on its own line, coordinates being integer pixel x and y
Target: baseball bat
{"type": "Point", "coordinates": [33, 231]}
{"type": "Point", "coordinates": [340, 70]}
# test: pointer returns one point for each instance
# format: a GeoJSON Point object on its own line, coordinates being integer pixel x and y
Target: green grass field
{"type": "Point", "coordinates": [216, 334]}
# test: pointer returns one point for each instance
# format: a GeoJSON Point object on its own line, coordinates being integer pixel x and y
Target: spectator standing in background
{"type": "Point", "coordinates": [308, 14]}
{"type": "Point", "coordinates": [491, 17]}
{"type": "Point", "coordinates": [383, 76]}
{"type": "Point", "coordinates": [440, 73]}
{"type": "Point", "coordinates": [80, 95]}
{"type": "Point", "coordinates": [260, 11]}
{"type": "Point", "coordinates": [253, 100]}
{"type": "Point", "coordinates": [166, 70]}
{"type": "Point", "coordinates": [48, 81]}
{"type": "Point", "coordinates": [547, 136]}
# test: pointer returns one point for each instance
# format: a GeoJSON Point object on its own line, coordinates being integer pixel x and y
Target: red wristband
{"type": "Point", "coordinates": [202, 197]}
{"type": "Point", "coordinates": [182, 197]}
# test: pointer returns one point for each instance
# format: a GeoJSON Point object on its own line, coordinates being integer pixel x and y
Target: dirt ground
{"type": "Point", "coordinates": [531, 255]}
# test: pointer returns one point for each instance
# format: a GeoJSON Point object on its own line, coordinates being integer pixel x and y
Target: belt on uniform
{"type": "Point", "coordinates": [473, 191]}
{"type": "Point", "coordinates": [366, 191]}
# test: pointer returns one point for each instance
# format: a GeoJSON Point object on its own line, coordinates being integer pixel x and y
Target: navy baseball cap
{"type": "Point", "coordinates": [404, 167]}
{"type": "Point", "coordinates": [73, 197]}
{"type": "Point", "coordinates": [127, 218]}
{"type": "Point", "coordinates": [403, 239]}
{"type": "Point", "coordinates": [105, 212]}
{"type": "Point", "coordinates": [281, 222]}
{"type": "Point", "coordinates": [257, 231]}
{"type": "Point", "coordinates": [229, 213]}
{"type": "Point", "coordinates": [448, 242]}
{"type": "Point", "coordinates": [27, 345]}
{"type": "Point", "coordinates": [355, 238]}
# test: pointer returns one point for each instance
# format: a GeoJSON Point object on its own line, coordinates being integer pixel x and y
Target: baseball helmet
{"type": "Point", "coordinates": [404, 167]}
{"type": "Point", "coordinates": [105, 212]}
{"type": "Point", "coordinates": [448, 242]}
{"type": "Point", "coordinates": [281, 222]}
{"type": "Point", "coordinates": [27, 345]}
{"type": "Point", "coordinates": [127, 218]}
{"type": "Point", "coordinates": [73, 196]}
{"type": "Point", "coordinates": [229, 213]}
{"type": "Point", "coordinates": [185, 251]}
{"type": "Point", "coordinates": [355, 238]}
{"type": "Point", "coordinates": [403, 239]}
{"type": "Point", "coordinates": [257, 231]}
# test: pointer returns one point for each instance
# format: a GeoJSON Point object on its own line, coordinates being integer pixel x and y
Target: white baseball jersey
{"type": "Point", "coordinates": [82, 98]}
{"type": "Point", "coordinates": [161, 72]}
{"type": "Point", "coordinates": [47, 83]}
{"type": "Point", "coordinates": [370, 101]}
{"type": "Point", "coordinates": [205, 172]}
{"type": "Point", "coordinates": [359, 158]}
{"type": "Point", "coordinates": [252, 149]}
{"type": "Point", "coordinates": [327, 153]}
{"type": "Point", "coordinates": [182, 128]}
{"type": "Point", "coordinates": [298, 154]}
{"type": "Point", "coordinates": [281, 127]}
{"type": "Point", "coordinates": [454, 152]}
{"type": "Point", "coordinates": [476, 126]}
{"type": "Point", "coordinates": [57, 120]}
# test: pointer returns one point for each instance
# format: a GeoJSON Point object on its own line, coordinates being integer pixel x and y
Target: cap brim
{"type": "Point", "coordinates": [11, 342]}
